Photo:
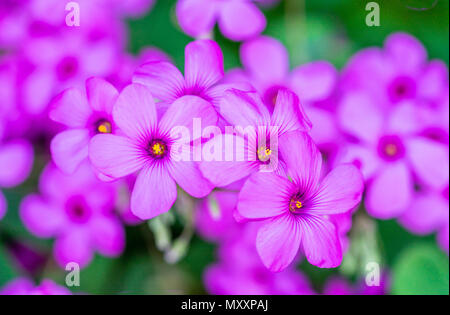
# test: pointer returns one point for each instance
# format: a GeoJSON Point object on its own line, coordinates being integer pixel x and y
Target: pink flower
{"type": "Point", "coordinates": [148, 146]}
{"type": "Point", "coordinates": [85, 114]}
{"type": "Point", "coordinates": [257, 147]}
{"type": "Point", "coordinates": [77, 210]}
{"type": "Point", "coordinates": [390, 152]}
{"type": "Point", "coordinates": [16, 161]}
{"type": "Point", "coordinates": [23, 286]}
{"type": "Point", "coordinates": [296, 212]}
{"type": "Point", "coordinates": [238, 19]}
{"type": "Point", "coordinates": [340, 286]}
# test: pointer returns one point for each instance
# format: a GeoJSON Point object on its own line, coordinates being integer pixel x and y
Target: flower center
{"type": "Point", "coordinates": [77, 210]}
{"type": "Point", "coordinates": [67, 68]}
{"type": "Point", "coordinates": [264, 154]}
{"type": "Point", "coordinates": [295, 205]}
{"type": "Point", "coordinates": [104, 126]}
{"type": "Point", "coordinates": [157, 148]}
{"type": "Point", "coordinates": [391, 148]}
{"type": "Point", "coordinates": [402, 88]}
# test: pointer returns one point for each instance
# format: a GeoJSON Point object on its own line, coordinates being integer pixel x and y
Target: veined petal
{"type": "Point", "coordinates": [135, 111]}
{"type": "Point", "coordinates": [163, 79]}
{"type": "Point", "coordinates": [101, 95]}
{"type": "Point", "coordinates": [115, 156]}
{"type": "Point", "coordinates": [278, 241]}
{"type": "Point", "coordinates": [69, 148]}
{"type": "Point", "coordinates": [320, 241]}
{"type": "Point", "coordinates": [204, 64]}
{"type": "Point", "coordinates": [189, 177]}
{"type": "Point", "coordinates": [265, 195]}
{"type": "Point", "coordinates": [154, 192]}
{"type": "Point", "coordinates": [71, 108]}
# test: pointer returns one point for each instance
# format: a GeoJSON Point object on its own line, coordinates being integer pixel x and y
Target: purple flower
{"type": "Point", "coordinates": [85, 115]}
{"type": "Point", "coordinates": [16, 161]}
{"type": "Point", "coordinates": [77, 210]}
{"type": "Point", "coordinates": [238, 19]}
{"type": "Point", "coordinates": [390, 152]}
{"type": "Point", "coordinates": [340, 286]}
{"type": "Point", "coordinates": [297, 212]}
{"type": "Point", "coordinates": [148, 146]}
{"type": "Point", "coordinates": [257, 147]}
{"type": "Point", "coordinates": [23, 286]}
{"type": "Point", "coordinates": [202, 73]}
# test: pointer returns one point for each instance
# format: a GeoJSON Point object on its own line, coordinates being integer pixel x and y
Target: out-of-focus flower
{"type": "Point", "coordinates": [23, 286]}
{"type": "Point", "coordinates": [16, 161]}
{"type": "Point", "coordinates": [240, 271]}
{"type": "Point", "coordinates": [390, 153]}
{"type": "Point", "coordinates": [266, 67]}
{"type": "Point", "coordinates": [340, 286]}
{"type": "Point", "coordinates": [246, 110]}
{"type": "Point", "coordinates": [238, 19]}
{"type": "Point", "coordinates": [147, 147]}
{"type": "Point", "coordinates": [85, 114]}
{"type": "Point", "coordinates": [297, 213]}
{"type": "Point", "coordinates": [77, 210]}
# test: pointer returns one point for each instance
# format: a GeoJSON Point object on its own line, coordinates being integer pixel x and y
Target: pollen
{"type": "Point", "coordinates": [264, 154]}
{"type": "Point", "coordinates": [104, 127]}
{"type": "Point", "coordinates": [298, 205]}
{"type": "Point", "coordinates": [295, 205]}
{"type": "Point", "coordinates": [391, 149]}
{"type": "Point", "coordinates": [157, 149]}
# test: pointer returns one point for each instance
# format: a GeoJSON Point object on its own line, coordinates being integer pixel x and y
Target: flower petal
{"type": "Point", "coordinates": [278, 242]}
{"type": "Point", "coordinates": [303, 160]}
{"type": "Point", "coordinates": [266, 59]}
{"type": "Point", "coordinates": [196, 17]}
{"type": "Point", "coordinates": [75, 247]}
{"type": "Point", "coordinates": [288, 114]}
{"type": "Point", "coordinates": [135, 111]}
{"type": "Point", "coordinates": [340, 191]}
{"type": "Point", "coordinates": [163, 79]}
{"type": "Point", "coordinates": [101, 95]}
{"type": "Point", "coordinates": [41, 218]}
{"type": "Point", "coordinates": [204, 64]}
{"type": "Point", "coordinates": [70, 108]}
{"type": "Point", "coordinates": [406, 51]}
{"type": "Point", "coordinates": [154, 192]}
{"type": "Point", "coordinates": [115, 156]}
{"type": "Point", "coordinates": [70, 148]}
{"type": "Point", "coordinates": [189, 177]}
{"type": "Point", "coordinates": [108, 235]}
{"type": "Point", "coordinates": [16, 160]}
{"type": "Point", "coordinates": [320, 242]}
{"type": "Point", "coordinates": [240, 20]}
{"type": "Point", "coordinates": [265, 195]}
{"type": "Point", "coordinates": [390, 193]}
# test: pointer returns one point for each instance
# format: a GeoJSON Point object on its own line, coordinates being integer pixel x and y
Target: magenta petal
{"type": "Point", "coordinates": [70, 148]}
{"type": "Point", "coordinates": [265, 195]}
{"type": "Point", "coordinates": [154, 192]}
{"type": "Point", "coordinates": [183, 112]}
{"type": "Point", "coordinates": [430, 161]}
{"type": "Point", "coordinates": [406, 51]}
{"type": "Point", "coordinates": [224, 171]}
{"type": "Point", "coordinates": [101, 95]}
{"type": "Point", "coordinates": [204, 64]}
{"type": "Point", "coordinates": [240, 20]}
{"type": "Point", "coordinates": [266, 59]}
{"type": "Point", "coordinates": [314, 81]}
{"type": "Point", "coordinates": [320, 242]}
{"type": "Point", "coordinates": [41, 218]}
{"type": "Point", "coordinates": [340, 191]}
{"type": "Point", "coordinates": [288, 114]}
{"type": "Point", "coordinates": [135, 111]}
{"type": "Point", "coordinates": [244, 109]}
{"type": "Point", "coordinates": [74, 247]}
{"type": "Point", "coordinates": [425, 214]}
{"type": "Point", "coordinates": [189, 177]}
{"type": "Point", "coordinates": [196, 17]}
{"type": "Point", "coordinates": [163, 79]}
{"type": "Point", "coordinates": [303, 160]}
{"type": "Point", "coordinates": [71, 108]}
{"type": "Point", "coordinates": [390, 193]}
{"type": "Point", "coordinates": [108, 235]}
{"type": "Point", "coordinates": [115, 156]}
{"type": "Point", "coordinates": [360, 117]}
{"type": "Point", "coordinates": [278, 242]}
{"type": "Point", "coordinates": [3, 205]}
{"type": "Point", "coordinates": [16, 162]}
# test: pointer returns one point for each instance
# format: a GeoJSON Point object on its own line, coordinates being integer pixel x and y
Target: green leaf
{"type": "Point", "coordinates": [421, 269]}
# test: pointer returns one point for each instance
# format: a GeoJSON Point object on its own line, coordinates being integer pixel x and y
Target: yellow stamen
{"type": "Point", "coordinates": [157, 148]}
{"type": "Point", "coordinates": [391, 149]}
{"type": "Point", "coordinates": [298, 205]}
{"type": "Point", "coordinates": [264, 154]}
{"type": "Point", "coordinates": [104, 127]}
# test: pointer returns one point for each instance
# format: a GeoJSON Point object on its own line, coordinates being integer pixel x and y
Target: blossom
{"type": "Point", "coordinates": [85, 114]}
{"type": "Point", "coordinates": [238, 19]}
{"type": "Point", "coordinates": [296, 212]}
{"type": "Point", "coordinates": [77, 211]}
{"type": "Point", "coordinates": [148, 146]}
{"type": "Point", "coordinates": [339, 286]}
{"type": "Point", "coordinates": [16, 161]}
{"type": "Point", "coordinates": [391, 153]}
{"type": "Point", "coordinates": [23, 286]}
{"type": "Point", "coordinates": [257, 147]}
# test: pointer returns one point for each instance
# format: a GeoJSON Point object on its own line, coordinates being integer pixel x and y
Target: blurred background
{"type": "Point", "coordinates": [330, 30]}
